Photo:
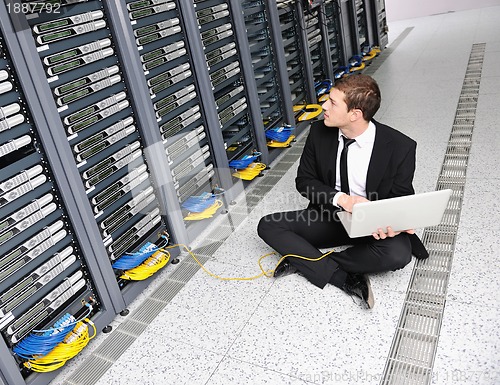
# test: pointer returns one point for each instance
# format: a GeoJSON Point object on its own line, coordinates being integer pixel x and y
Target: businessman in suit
{"type": "Point", "coordinates": [378, 163]}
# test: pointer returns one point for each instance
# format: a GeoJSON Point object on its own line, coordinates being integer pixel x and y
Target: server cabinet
{"type": "Point", "coordinates": [380, 23]}
{"type": "Point", "coordinates": [316, 37]}
{"type": "Point", "coordinates": [296, 64]}
{"type": "Point", "coordinates": [47, 272]}
{"type": "Point", "coordinates": [87, 96]}
{"type": "Point", "coordinates": [161, 44]}
{"type": "Point", "coordinates": [227, 59]}
{"type": "Point", "coordinates": [361, 21]}
{"type": "Point", "coordinates": [335, 35]}
{"type": "Point", "coordinates": [269, 67]}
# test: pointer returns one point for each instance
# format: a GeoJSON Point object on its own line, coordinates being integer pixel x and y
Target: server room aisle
{"type": "Point", "coordinates": [286, 331]}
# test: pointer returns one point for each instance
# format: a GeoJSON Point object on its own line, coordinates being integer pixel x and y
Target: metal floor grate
{"type": "Point", "coordinates": [413, 350]}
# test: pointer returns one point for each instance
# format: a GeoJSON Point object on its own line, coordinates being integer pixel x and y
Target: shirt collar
{"type": "Point", "coordinates": [366, 138]}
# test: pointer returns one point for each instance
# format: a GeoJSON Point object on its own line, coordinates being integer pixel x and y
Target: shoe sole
{"type": "Point", "coordinates": [370, 301]}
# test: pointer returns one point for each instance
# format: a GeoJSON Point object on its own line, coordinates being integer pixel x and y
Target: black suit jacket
{"type": "Point", "coordinates": [390, 171]}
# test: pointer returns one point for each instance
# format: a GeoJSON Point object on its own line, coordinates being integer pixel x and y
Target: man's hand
{"type": "Point", "coordinates": [390, 233]}
{"type": "Point", "coordinates": [347, 201]}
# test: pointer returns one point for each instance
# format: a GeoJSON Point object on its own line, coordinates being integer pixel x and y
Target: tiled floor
{"type": "Point", "coordinates": [286, 331]}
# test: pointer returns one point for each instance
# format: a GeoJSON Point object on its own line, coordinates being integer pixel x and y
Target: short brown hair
{"type": "Point", "coordinates": [361, 92]}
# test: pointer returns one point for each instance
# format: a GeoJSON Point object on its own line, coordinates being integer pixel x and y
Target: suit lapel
{"type": "Point", "coordinates": [381, 154]}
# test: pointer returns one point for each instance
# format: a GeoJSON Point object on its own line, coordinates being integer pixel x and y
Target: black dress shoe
{"type": "Point", "coordinates": [359, 286]}
{"type": "Point", "coordinates": [417, 247]}
{"type": "Point", "coordinates": [284, 268]}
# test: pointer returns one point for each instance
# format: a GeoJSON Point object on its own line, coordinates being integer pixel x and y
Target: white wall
{"type": "Point", "coordinates": [407, 9]}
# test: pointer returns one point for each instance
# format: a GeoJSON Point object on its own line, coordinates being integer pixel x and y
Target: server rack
{"type": "Point", "coordinates": [335, 35]}
{"type": "Point", "coordinates": [46, 270]}
{"type": "Point", "coordinates": [315, 35]}
{"type": "Point", "coordinates": [228, 62]}
{"type": "Point", "coordinates": [380, 24]}
{"type": "Point", "coordinates": [87, 95]}
{"type": "Point", "coordinates": [361, 21]}
{"type": "Point", "coordinates": [297, 55]}
{"type": "Point", "coordinates": [266, 49]}
{"type": "Point", "coordinates": [264, 68]}
{"type": "Point", "coordinates": [164, 51]}
{"type": "Point", "coordinates": [291, 43]}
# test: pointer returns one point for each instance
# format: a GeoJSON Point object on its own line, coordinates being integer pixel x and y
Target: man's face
{"type": "Point", "coordinates": [335, 110]}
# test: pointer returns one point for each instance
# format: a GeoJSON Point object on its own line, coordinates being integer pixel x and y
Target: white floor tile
{"type": "Point", "coordinates": [155, 359]}
{"type": "Point", "coordinates": [480, 208]}
{"type": "Point", "coordinates": [209, 313]}
{"type": "Point", "coordinates": [305, 332]}
{"type": "Point", "coordinates": [468, 346]}
{"type": "Point", "coordinates": [476, 267]}
{"type": "Point", "coordinates": [237, 372]}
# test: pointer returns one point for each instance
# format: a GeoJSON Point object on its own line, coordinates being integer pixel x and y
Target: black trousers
{"type": "Point", "coordinates": [304, 232]}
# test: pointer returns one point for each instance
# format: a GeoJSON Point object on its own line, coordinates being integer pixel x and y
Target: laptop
{"type": "Point", "coordinates": [401, 213]}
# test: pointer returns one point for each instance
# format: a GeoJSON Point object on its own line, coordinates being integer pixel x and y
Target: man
{"type": "Point", "coordinates": [378, 164]}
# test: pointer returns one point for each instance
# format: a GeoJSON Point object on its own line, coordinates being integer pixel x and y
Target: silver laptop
{"type": "Point", "coordinates": [401, 213]}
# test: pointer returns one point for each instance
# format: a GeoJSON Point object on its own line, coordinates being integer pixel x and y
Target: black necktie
{"type": "Point", "coordinates": [344, 181]}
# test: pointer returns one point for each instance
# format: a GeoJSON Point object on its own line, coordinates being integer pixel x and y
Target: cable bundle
{"type": "Point", "coordinates": [250, 172]}
{"type": "Point", "coordinates": [308, 111]}
{"type": "Point", "coordinates": [73, 344]}
{"type": "Point", "coordinates": [356, 63]}
{"type": "Point", "coordinates": [198, 204]}
{"type": "Point", "coordinates": [130, 260]}
{"type": "Point", "coordinates": [40, 342]}
{"type": "Point", "coordinates": [286, 143]}
{"type": "Point", "coordinates": [341, 72]}
{"type": "Point", "coordinates": [241, 164]}
{"type": "Point", "coordinates": [371, 54]}
{"type": "Point", "coordinates": [150, 266]}
{"type": "Point", "coordinates": [209, 212]}
{"type": "Point", "coordinates": [323, 87]}
{"type": "Point", "coordinates": [279, 134]}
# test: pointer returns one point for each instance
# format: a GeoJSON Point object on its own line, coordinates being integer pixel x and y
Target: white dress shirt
{"type": "Point", "coordinates": [358, 159]}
